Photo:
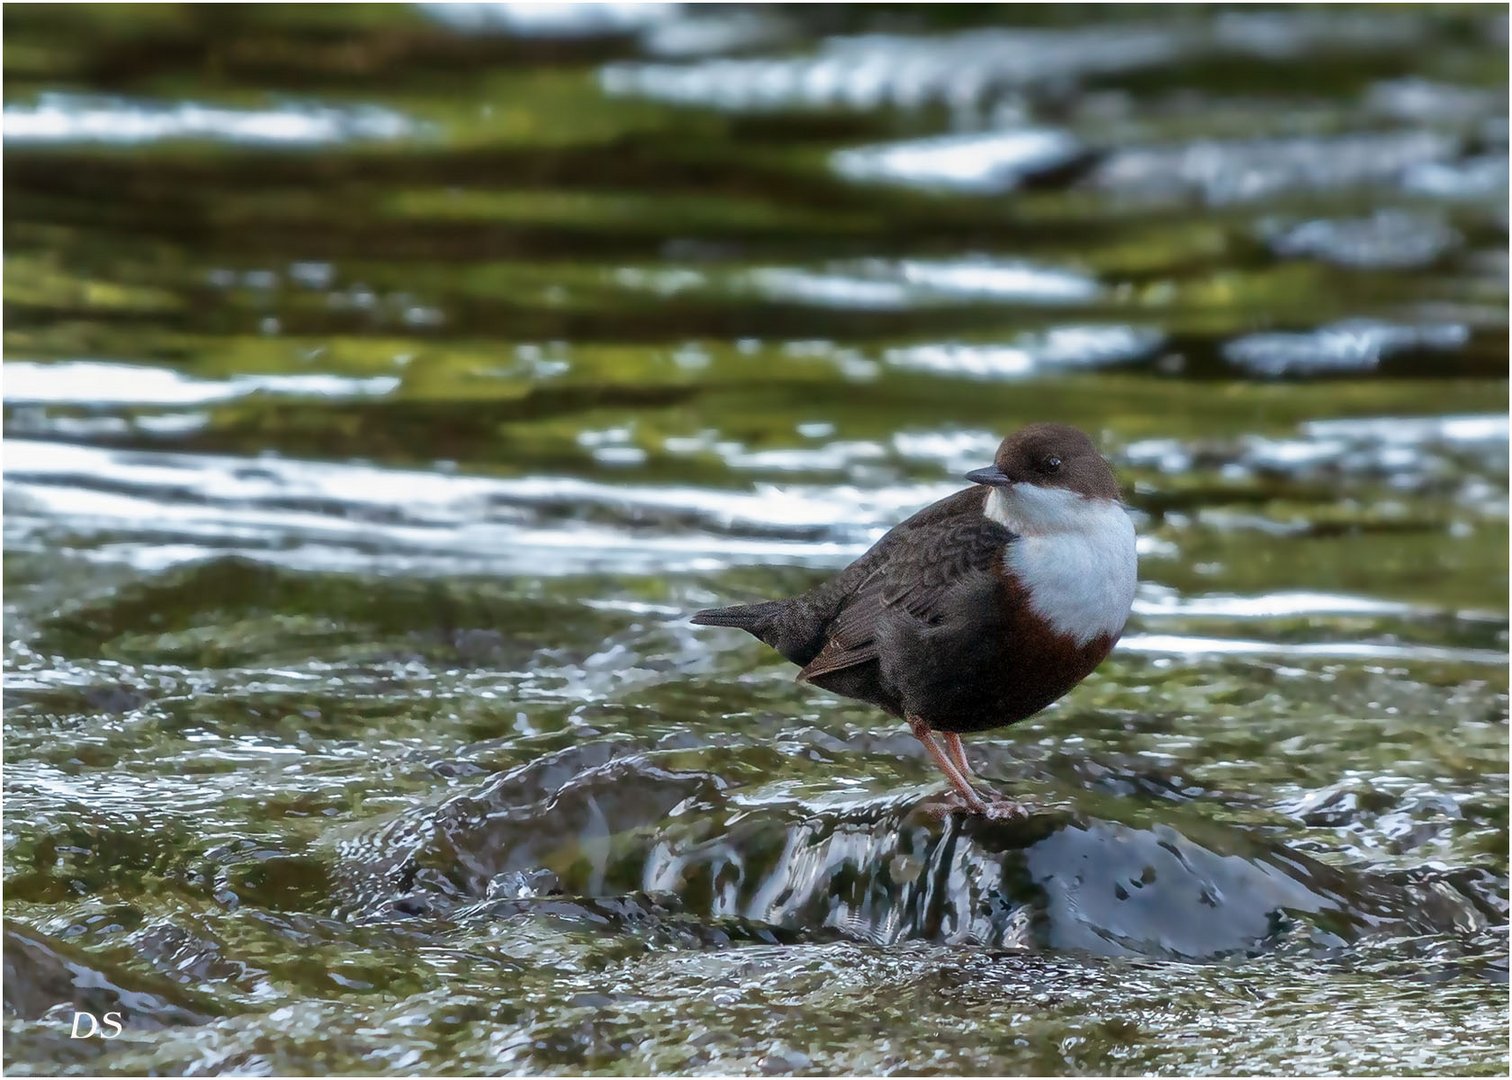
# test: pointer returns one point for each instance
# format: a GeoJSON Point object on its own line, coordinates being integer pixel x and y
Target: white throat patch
{"type": "Point", "coordinates": [1075, 556]}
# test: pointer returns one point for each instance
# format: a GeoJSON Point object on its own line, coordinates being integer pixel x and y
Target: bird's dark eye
{"type": "Point", "coordinates": [1052, 464]}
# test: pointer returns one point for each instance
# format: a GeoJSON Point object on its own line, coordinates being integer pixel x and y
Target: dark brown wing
{"type": "Point", "coordinates": [908, 574]}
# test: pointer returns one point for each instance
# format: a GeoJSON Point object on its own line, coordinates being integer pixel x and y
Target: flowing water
{"type": "Point", "coordinates": [385, 386]}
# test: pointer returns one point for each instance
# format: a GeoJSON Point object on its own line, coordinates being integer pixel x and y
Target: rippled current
{"type": "Point", "coordinates": [384, 387]}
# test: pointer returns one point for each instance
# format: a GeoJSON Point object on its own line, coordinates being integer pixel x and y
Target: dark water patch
{"type": "Point", "coordinates": [76, 849]}
{"type": "Point", "coordinates": [248, 48]}
{"type": "Point", "coordinates": [223, 612]}
{"type": "Point", "coordinates": [660, 920]}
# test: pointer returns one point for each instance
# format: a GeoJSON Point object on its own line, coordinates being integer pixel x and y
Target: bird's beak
{"type": "Point", "coordinates": [992, 476]}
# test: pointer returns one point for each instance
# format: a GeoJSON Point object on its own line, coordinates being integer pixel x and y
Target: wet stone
{"type": "Point", "coordinates": [44, 975]}
{"type": "Point", "coordinates": [888, 873]}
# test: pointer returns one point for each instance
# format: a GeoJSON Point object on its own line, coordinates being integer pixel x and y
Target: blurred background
{"type": "Point", "coordinates": [384, 384]}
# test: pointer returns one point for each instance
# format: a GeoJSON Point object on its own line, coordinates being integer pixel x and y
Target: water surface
{"type": "Point", "coordinates": [384, 387]}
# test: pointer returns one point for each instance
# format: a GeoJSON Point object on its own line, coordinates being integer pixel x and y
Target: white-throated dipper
{"type": "Point", "coordinates": [979, 610]}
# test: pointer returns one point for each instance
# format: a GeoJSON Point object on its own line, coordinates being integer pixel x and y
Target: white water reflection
{"type": "Point", "coordinates": [976, 164]}
{"type": "Point", "coordinates": [1469, 429]}
{"type": "Point", "coordinates": [1181, 645]}
{"type": "Point", "coordinates": [155, 510]}
{"type": "Point", "coordinates": [1059, 348]}
{"type": "Point", "coordinates": [447, 499]}
{"type": "Point", "coordinates": [71, 118]}
{"type": "Point", "coordinates": [896, 285]}
{"type": "Point", "coordinates": [881, 284]}
{"type": "Point", "coordinates": [1398, 239]}
{"type": "Point", "coordinates": [973, 71]}
{"type": "Point", "coordinates": [101, 382]}
{"type": "Point", "coordinates": [1408, 450]}
{"type": "Point", "coordinates": [1354, 345]}
{"type": "Point", "coordinates": [360, 516]}
{"type": "Point", "coordinates": [550, 20]}
{"type": "Point", "coordinates": [1223, 171]}
{"type": "Point", "coordinates": [966, 70]}
{"type": "Point", "coordinates": [1268, 606]}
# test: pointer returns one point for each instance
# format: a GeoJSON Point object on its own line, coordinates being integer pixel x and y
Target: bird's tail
{"type": "Point", "coordinates": [753, 618]}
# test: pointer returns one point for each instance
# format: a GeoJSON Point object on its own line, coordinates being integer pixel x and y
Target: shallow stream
{"type": "Point", "coordinates": [384, 386]}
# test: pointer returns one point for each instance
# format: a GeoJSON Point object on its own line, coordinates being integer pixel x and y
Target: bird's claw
{"type": "Point", "coordinates": [991, 807]}
{"type": "Point", "coordinates": [1002, 808]}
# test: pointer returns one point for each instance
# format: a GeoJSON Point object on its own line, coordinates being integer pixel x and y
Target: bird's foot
{"type": "Point", "coordinates": [1002, 808]}
{"type": "Point", "coordinates": [990, 806]}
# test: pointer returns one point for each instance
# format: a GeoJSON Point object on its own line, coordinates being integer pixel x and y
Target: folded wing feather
{"type": "Point", "coordinates": [910, 573]}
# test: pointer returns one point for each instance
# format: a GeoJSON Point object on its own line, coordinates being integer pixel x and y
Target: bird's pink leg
{"type": "Point", "coordinates": [998, 805]}
{"type": "Point", "coordinates": [957, 752]}
{"type": "Point", "coordinates": [947, 766]}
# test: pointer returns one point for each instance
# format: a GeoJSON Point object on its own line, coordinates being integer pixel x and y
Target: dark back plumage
{"type": "Point", "coordinates": [928, 623]}
{"type": "Point", "coordinates": [835, 631]}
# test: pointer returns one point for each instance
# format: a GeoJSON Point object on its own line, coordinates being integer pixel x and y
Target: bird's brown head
{"type": "Point", "coordinates": [1052, 456]}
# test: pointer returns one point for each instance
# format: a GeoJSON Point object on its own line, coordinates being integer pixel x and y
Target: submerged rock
{"type": "Point", "coordinates": [623, 856]}
{"type": "Point", "coordinates": [45, 976]}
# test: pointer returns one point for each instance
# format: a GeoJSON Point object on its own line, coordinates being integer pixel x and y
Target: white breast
{"type": "Point", "coordinates": [1074, 555]}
